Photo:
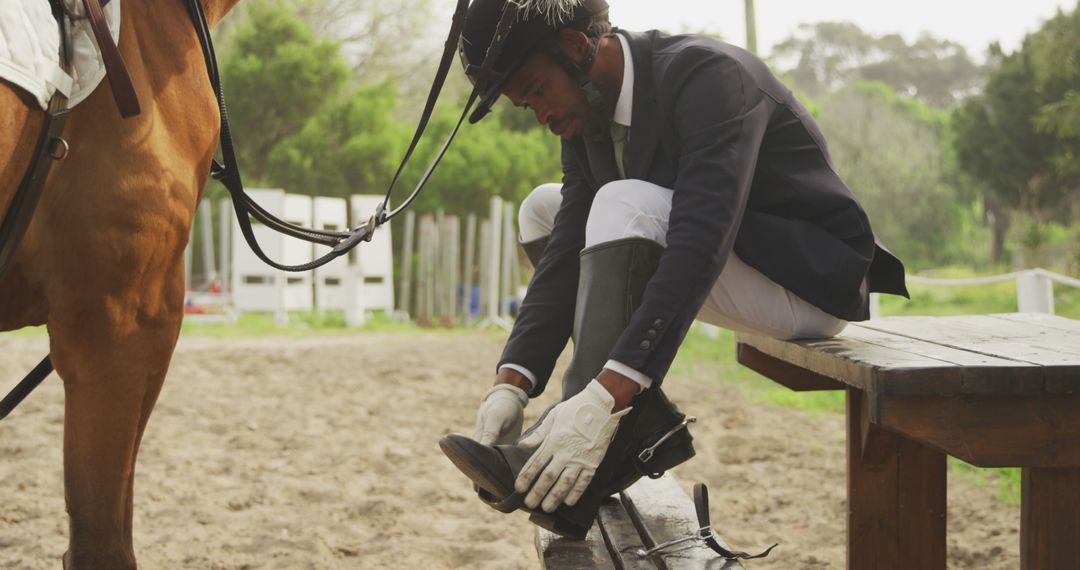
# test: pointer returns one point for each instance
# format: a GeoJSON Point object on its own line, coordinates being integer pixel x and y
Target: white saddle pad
{"type": "Point", "coordinates": [30, 48]}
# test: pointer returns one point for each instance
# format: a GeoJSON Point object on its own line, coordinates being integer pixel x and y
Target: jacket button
{"type": "Point", "coordinates": [651, 334]}
{"type": "Point", "coordinates": [645, 345]}
{"type": "Point", "coordinates": [658, 323]}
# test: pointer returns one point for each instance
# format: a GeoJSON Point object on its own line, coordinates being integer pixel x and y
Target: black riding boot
{"type": "Point", "coordinates": [613, 279]}
{"type": "Point", "coordinates": [534, 249]}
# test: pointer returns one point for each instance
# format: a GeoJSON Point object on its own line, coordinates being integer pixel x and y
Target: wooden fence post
{"type": "Point", "coordinates": [453, 266]}
{"type": "Point", "coordinates": [484, 265]}
{"type": "Point", "coordinates": [225, 245]}
{"type": "Point", "coordinates": [493, 258]}
{"type": "Point", "coordinates": [509, 249]}
{"type": "Point", "coordinates": [467, 270]}
{"type": "Point", "coordinates": [405, 292]}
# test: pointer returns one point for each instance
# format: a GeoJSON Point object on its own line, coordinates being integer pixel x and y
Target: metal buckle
{"type": "Point", "coordinates": [702, 534]}
{"type": "Point", "coordinates": [58, 149]}
{"type": "Point", "coordinates": [647, 454]}
{"type": "Point", "coordinates": [372, 224]}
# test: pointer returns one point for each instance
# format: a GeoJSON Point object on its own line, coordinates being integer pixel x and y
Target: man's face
{"type": "Point", "coordinates": [554, 97]}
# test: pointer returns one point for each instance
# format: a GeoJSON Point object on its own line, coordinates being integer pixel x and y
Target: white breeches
{"type": "Point", "coordinates": [742, 299]}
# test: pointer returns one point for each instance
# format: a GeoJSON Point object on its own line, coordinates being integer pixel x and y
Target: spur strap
{"type": "Point", "coordinates": [127, 102]}
{"type": "Point", "coordinates": [701, 504]}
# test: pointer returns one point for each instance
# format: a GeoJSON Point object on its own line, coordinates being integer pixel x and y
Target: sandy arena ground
{"type": "Point", "coordinates": [320, 452]}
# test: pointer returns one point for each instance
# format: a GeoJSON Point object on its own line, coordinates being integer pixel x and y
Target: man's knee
{"type": "Point", "coordinates": [629, 208]}
{"type": "Point", "coordinates": [536, 216]}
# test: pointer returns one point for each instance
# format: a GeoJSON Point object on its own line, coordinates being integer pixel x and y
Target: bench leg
{"type": "Point", "coordinates": [896, 497]}
{"type": "Point", "coordinates": [1049, 519]}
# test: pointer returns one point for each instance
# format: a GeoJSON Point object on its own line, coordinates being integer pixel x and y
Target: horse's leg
{"type": "Point", "coordinates": [112, 356]}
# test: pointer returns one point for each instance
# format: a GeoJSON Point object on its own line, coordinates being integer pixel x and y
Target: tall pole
{"type": "Point", "coordinates": [751, 27]}
{"type": "Point", "coordinates": [225, 245]}
{"type": "Point", "coordinates": [206, 222]}
{"type": "Point", "coordinates": [467, 270]}
{"type": "Point", "coordinates": [405, 293]}
{"type": "Point", "coordinates": [494, 260]}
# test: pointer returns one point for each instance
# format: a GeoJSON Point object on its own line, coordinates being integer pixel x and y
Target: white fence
{"type": "Point", "coordinates": [1034, 288]}
{"type": "Point", "coordinates": [473, 279]}
{"type": "Point", "coordinates": [238, 281]}
{"type": "Point", "coordinates": [373, 272]}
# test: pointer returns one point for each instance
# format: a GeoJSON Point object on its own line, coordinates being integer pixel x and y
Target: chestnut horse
{"type": "Point", "coordinates": [102, 261]}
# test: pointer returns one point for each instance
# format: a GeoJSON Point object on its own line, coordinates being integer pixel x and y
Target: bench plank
{"type": "Point", "coordinates": [1057, 351]}
{"type": "Point", "coordinates": [623, 540]}
{"type": "Point", "coordinates": [662, 512]}
{"type": "Point", "coordinates": [980, 372]}
{"type": "Point", "coordinates": [928, 356]}
{"type": "Point", "coordinates": [1048, 321]}
{"type": "Point", "coordinates": [559, 553]}
{"type": "Point", "coordinates": [857, 363]}
{"type": "Point", "coordinates": [791, 376]}
{"type": "Point", "coordinates": [872, 332]}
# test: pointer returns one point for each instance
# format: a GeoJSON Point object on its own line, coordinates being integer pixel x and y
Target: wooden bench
{"type": "Point", "coordinates": [994, 391]}
{"type": "Point", "coordinates": [650, 512]}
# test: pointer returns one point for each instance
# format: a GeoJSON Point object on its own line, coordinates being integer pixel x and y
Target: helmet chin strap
{"type": "Point", "coordinates": [580, 73]}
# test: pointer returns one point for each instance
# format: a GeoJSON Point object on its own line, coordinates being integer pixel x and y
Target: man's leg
{"type": "Point", "coordinates": [622, 252]}
{"type": "Point", "coordinates": [536, 218]}
{"type": "Point", "coordinates": [615, 269]}
{"type": "Point", "coordinates": [742, 300]}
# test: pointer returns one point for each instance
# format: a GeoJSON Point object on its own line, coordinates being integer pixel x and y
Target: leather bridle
{"type": "Point", "coordinates": [228, 174]}
{"type": "Point", "coordinates": [18, 216]}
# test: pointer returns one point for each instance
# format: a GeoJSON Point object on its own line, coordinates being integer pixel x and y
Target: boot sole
{"type": "Point", "coordinates": [467, 463]}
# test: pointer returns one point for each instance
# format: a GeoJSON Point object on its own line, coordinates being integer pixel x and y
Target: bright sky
{"type": "Point", "coordinates": [972, 23]}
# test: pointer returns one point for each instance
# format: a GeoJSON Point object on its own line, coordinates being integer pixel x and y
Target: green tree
{"type": "Point", "coordinates": [1055, 56]}
{"type": "Point", "coordinates": [820, 58]}
{"type": "Point", "coordinates": [349, 147]}
{"type": "Point", "coordinates": [276, 74]}
{"type": "Point", "coordinates": [997, 143]}
{"type": "Point", "coordinates": [894, 153]}
{"type": "Point", "coordinates": [1020, 138]}
{"type": "Point", "coordinates": [487, 159]}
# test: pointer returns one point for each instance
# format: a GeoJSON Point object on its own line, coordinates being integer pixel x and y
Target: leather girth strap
{"type": "Point", "coordinates": [701, 504]}
{"type": "Point", "coordinates": [21, 211]}
{"type": "Point", "coordinates": [127, 102]}
{"type": "Point", "coordinates": [50, 146]}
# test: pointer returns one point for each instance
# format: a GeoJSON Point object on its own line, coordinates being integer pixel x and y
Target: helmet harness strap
{"type": "Point", "coordinates": [580, 72]}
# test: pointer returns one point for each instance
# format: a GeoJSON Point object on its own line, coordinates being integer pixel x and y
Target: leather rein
{"type": "Point", "coordinates": [227, 172]}
{"type": "Point", "coordinates": [51, 146]}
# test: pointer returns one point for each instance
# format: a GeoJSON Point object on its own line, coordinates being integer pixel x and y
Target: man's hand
{"type": "Point", "coordinates": [571, 441]}
{"type": "Point", "coordinates": [498, 421]}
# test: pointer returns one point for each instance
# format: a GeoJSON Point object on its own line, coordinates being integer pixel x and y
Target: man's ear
{"type": "Point", "coordinates": [574, 43]}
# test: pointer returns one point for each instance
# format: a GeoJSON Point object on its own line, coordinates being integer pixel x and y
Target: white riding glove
{"type": "Point", "coordinates": [498, 421]}
{"type": "Point", "coordinates": [572, 440]}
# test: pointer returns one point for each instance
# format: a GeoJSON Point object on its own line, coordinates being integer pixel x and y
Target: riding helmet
{"type": "Point", "coordinates": [536, 21]}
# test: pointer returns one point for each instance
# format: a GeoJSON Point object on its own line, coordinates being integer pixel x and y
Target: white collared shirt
{"type": "Point", "coordinates": [624, 105]}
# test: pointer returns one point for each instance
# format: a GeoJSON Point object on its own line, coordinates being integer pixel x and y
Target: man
{"type": "Point", "coordinates": [695, 186]}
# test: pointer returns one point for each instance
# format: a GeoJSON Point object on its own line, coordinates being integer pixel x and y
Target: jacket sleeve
{"type": "Point", "coordinates": [719, 119]}
{"type": "Point", "coordinates": [546, 318]}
